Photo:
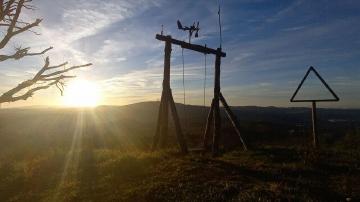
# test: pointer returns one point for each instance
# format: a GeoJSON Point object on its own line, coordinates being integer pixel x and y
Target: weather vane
{"type": "Point", "coordinates": [190, 29]}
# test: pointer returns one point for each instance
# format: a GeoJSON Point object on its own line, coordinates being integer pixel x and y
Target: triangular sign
{"type": "Point", "coordinates": [312, 69]}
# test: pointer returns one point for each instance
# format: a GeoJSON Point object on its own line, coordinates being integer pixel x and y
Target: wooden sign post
{"type": "Point", "coordinates": [313, 101]}
{"type": "Point", "coordinates": [167, 100]}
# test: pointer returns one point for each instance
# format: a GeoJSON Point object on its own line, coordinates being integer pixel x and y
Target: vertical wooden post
{"type": "Point", "coordinates": [166, 89]}
{"type": "Point", "coordinates": [314, 124]}
{"type": "Point", "coordinates": [158, 126]}
{"type": "Point", "coordinates": [232, 119]}
{"type": "Point", "coordinates": [217, 118]}
{"type": "Point", "coordinates": [167, 101]}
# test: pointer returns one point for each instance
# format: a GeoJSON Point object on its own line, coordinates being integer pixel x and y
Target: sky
{"type": "Point", "coordinates": [270, 44]}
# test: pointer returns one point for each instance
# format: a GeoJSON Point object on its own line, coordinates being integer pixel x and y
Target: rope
{"type": "Point", "coordinates": [183, 74]}
{"type": "Point", "coordinates": [205, 80]}
{"type": "Point", "coordinates": [219, 14]}
{"type": "Point", "coordinates": [184, 92]}
{"type": "Point", "coordinates": [205, 112]}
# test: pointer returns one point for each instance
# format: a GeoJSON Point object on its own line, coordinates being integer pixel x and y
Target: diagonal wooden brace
{"type": "Point", "coordinates": [233, 120]}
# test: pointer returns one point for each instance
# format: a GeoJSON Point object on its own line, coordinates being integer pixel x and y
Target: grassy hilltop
{"type": "Point", "coordinates": [103, 155]}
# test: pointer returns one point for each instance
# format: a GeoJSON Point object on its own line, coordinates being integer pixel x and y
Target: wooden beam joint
{"type": "Point", "coordinates": [194, 47]}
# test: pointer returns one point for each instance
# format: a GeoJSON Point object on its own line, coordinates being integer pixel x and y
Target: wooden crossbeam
{"type": "Point", "coordinates": [194, 47]}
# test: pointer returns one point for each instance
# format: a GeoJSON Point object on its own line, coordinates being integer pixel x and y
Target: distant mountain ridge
{"type": "Point", "coordinates": [136, 123]}
{"type": "Point", "coordinates": [253, 113]}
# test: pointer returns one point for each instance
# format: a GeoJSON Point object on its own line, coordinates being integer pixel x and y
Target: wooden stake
{"type": "Point", "coordinates": [217, 118]}
{"type": "Point", "coordinates": [233, 120]}
{"type": "Point", "coordinates": [314, 125]}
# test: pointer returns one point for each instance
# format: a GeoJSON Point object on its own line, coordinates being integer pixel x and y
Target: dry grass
{"type": "Point", "coordinates": [267, 173]}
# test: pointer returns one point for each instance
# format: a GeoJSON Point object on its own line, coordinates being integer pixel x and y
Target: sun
{"type": "Point", "coordinates": [81, 93]}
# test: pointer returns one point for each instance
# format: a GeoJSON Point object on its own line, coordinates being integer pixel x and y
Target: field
{"type": "Point", "coordinates": [103, 155]}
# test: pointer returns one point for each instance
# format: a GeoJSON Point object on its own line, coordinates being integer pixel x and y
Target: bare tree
{"type": "Point", "coordinates": [48, 75]}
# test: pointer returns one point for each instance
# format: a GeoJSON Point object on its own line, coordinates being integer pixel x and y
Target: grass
{"type": "Point", "coordinates": [267, 173]}
{"type": "Point", "coordinates": [102, 155]}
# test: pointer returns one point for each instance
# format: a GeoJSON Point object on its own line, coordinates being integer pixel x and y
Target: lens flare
{"type": "Point", "coordinates": [81, 93]}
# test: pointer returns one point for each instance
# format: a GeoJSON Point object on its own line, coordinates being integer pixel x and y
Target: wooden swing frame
{"type": "Point", "coordinates": [167, 101]}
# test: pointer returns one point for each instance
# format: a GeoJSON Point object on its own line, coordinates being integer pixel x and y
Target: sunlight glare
{"type": "Point", "coordinates": [81, 93]}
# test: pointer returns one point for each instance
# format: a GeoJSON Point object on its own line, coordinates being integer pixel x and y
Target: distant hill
{"type": "Point", "coordinates": [102, 154]}
{"type": "Point", "coordinates": [135, 124]}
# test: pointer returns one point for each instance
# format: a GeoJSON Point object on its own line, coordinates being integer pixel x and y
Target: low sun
{"type": "Point", "coordinates": [81, 93]}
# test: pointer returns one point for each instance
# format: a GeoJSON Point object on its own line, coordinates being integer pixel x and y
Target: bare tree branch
{"type": "Point", "coordinates": [40, 81]}
{"type": "Point", "coordinates": [10, 15]}
{"type": "Point", "coordinates": [22, 52]}
{"type": "Point", "coordinates": [17, 27]}
{"type": "Point", "coordinates": [47, 76]}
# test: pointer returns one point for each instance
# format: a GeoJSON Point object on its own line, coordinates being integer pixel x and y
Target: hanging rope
{"type": "Point", "coordinates": [204, 79]}
{"type": "Point", "coordinates": [183, 75]}
{"type": "Point", "coordinates": [205, 111]}
{"type": "Point", "coordinates": [220, 33]}
{"type": "Point", "coordinates": [184, 92]}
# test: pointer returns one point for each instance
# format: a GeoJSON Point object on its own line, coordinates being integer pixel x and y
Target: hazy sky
{"type": "Point", "coordinates": [269, 46]}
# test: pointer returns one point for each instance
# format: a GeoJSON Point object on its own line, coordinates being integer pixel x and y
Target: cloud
{"type": "Point", "coordinates": [265, 84]}
{"type": "Point", "coordinates": [269, 45]}
{"type": "Point", "coordinates": [146, 84]}
{"type": "Point", "coordinates": [242, 56]}
{"type": "Point", "coordinates": [83, 19]}
{"type": "Point", "coordinates": [297, 28]}
{"type": "Point", "coordinates": [281, 13]}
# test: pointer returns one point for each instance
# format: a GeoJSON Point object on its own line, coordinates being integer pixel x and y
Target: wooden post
{"type": "Point", "coordinates": [314, 124]}
{"type": "Point", "coordinates": [208, 125]}
{"type": "Point", "coordinates": [179, 133]}
{"type": "Point", "coordinates": [167, 101]}
{"type": "Point", "coordinates": [217, 118]}
{"type": "Point", "coordinates": [164, 122]}
{"type": "Point", "coordinates": [233, 120]}
{"type": "Point", "coordinates": [166, 89]}
{"type": "Point", "coordinates": [158, 126]}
